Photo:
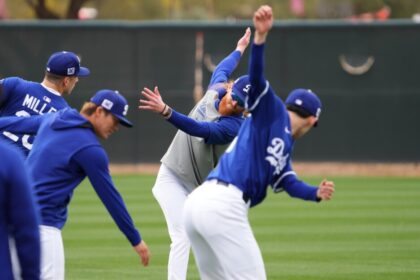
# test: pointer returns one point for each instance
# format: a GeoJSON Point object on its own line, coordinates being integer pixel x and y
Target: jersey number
{"type": "Point", "coordinates": [15, 138]}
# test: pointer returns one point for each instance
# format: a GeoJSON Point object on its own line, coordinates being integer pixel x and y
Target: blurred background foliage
{"type": "Point", "coordinates": [206, 9]}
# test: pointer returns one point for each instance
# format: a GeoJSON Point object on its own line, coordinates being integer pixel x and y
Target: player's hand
{"type": "Point", "coordinates": [143, 251]}
{"type": "Point", "coordinates": [153, 101]}
{"type": "Point", "coordinates": [325, 190]}
{"type": "Point", "coordinates": [263, 22]}
{"type": "Point", "coordinates": [244, 41]}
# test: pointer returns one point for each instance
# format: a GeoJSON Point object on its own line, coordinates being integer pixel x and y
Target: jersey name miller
{"type": "Point", "coordinates": [37, 105]}
{"type": "Point", "coordinates": [275, 155]}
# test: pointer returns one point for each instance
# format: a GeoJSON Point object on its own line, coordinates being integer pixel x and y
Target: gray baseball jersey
{"type": "Point", "coordinates": [190, 157]}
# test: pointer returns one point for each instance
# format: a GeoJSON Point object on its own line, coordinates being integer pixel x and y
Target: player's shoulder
{"type": "Point", "coordinates": [16, 83]}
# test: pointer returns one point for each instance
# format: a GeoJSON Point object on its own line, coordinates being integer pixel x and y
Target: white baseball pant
{"type": "Point", "coordinates": [14, 259]}
{"type": "Point", "coordinates": [171, 193]}
{"type": "Point", "coordinates": [52, 253]}
{"type": "Point", "coordinates": [216, 222]}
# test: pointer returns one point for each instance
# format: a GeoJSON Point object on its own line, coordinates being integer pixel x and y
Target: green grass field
{"type": "Point", "coordinates": [371, 230]}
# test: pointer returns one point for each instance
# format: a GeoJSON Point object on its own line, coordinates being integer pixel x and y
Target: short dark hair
{"type": "Point", "coordinates": [298, 110]}
{"type": "Point", "coordinates": [53, 77]}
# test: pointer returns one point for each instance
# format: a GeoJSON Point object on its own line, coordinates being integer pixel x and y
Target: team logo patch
{"type": "Point", "coordinates": [107, 104]}
{"type": "Point", "coordinates": [71, 71]}
{"type": "Point", "coordinates": [299, 102]}
{"type": "Point", "coordinates": [275, 155]}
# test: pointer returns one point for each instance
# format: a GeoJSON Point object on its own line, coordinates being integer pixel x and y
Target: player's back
{"type": "Point", "coordinates": [23, 99]}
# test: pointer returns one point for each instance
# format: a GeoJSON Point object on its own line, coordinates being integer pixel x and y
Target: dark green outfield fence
{"type": "Point", "coordinates": [367, 76]}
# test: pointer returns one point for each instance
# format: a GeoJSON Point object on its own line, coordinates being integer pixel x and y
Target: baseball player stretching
{"type": "Point", "coordinates": [201, 139]}
{"type": "Point", "coordinates": [65, 151]}
{"type": "Point", "coordinates": [19, 217]}
{"type": "Point", "coordinates": [216, 213]}
{"type": "Point", "coordinates": [24, 98]}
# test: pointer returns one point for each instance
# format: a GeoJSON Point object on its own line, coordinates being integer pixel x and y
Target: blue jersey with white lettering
{"type": "Point", "coordinates": [23, 98]}
{"type": "Point", "coordinates": [65, 151]}
{"type": "Point", "coordinates": [261, 153]}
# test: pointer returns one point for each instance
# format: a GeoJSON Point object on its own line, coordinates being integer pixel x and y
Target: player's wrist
{"type": "Point", "coordinates": [166, 112]}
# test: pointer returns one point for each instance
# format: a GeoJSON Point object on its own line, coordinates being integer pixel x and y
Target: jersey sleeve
{"type": "Point", "coordinates": [262, 102]}
{"type": "Point", "coordinates": [299, 189]}
{"type": "Point", "coordinates": [189, 125]}
{"type": "Point", "coordinates": [225, 68]}
{"type": "Point", "coordinates": [24, 217]}
{"type": "Point", "coordinates": [259, 86]}
{"type": "Point", "coordinates": [224, 130]}
{"type": "Point", "coordinates": [94, 162]}
{"type": "Point", "coordinates": [26, 125]}
{"type": "Point", "coordinates": [289, 182]}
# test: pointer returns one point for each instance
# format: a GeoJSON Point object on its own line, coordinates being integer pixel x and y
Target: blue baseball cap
{"type": "Point", "coordinates": [66, 64]}
{"type": "Point", "coordinates": [305, 101]}
{"type": "Point", "coordinates": [113, 102]}
{"type": "Point", "coordinates": [240, 89]}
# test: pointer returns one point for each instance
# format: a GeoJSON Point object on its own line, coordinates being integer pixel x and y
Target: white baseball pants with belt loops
{"type": "Point", "coordinates": [171, 193]}
{"type": "Point", "coordinates": [224, 246]}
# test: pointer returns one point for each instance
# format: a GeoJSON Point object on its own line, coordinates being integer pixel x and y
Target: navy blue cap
{"type": "Point", "coordinates": [305, 100]}
{"type": "Point", "coordinates": [240, 89]}
{"type": "Point", "coordinates": [113, 102]}
{"type": "Point", "coordinates": [66, 64]}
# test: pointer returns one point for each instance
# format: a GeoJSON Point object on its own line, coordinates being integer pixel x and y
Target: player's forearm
{"type": "Point", "coordinates": [189, 125]}
{"type": "Point", "coordinates": [27, 125]}
{"type": "Point", "coordinates": [298, 189]}
{"type": "Point", "coordinates": [94, 163]}
{"type": "Point", "coordinates": [225, 68]}
{"type": "Point", "coordinates": [256, 68]}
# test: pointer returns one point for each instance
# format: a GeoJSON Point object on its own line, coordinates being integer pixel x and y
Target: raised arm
{"type": "Point", "coordinates": [225, 68]}
{"type": "Point", "coordinates": [263, 21]}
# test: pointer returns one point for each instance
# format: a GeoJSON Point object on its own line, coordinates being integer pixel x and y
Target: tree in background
{"type": "Point", "coordinates": [43, 11]}
{"type": "Point", "coordinates": [206, 9]}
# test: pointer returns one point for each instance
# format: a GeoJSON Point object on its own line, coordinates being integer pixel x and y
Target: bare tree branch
{"type": "Point", "coordinates": [42, 10]}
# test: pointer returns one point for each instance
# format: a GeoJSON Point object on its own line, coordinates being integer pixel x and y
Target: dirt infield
{"type": "Point", "coordinates": [307, 169]}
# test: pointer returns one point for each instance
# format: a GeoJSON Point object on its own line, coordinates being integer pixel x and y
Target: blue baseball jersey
{"type": "Point", "coordinates": [261, 153]}
{"type": "Point", "coordinates": [18, 216]}
{"type": "Point", "coordinates": [23, 98]}
{"type": "Point", "coordinates": [65, 151]}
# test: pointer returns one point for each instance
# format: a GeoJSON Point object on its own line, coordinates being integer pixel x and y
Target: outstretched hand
{"type": "Point", "coordinates": [263, 22]}
{"type": "Point", "coordinates": [143, 251]}
{"type": "Point", "coordinates": [153, 101]}
{"type": "Point", "coordinates": [243, 42]}
{"type": "Point", "coordinates": [325, 190]}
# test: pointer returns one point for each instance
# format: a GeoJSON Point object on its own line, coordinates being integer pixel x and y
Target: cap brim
{"type": "Point", "coordinates": [124, 121]}
{"type": "Point", "coordinates": [83, 71]}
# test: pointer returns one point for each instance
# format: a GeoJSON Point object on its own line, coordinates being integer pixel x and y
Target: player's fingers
{"type": "Point", "coordinates": [150, 103]}
{"type": "Point", "coordinates": [145, 107]}
{"type": "Point", "coordinates": [145, 261]}
{"type": "Point", "coordinates": [148, 91]}
{"type": "Point", "coordinates": [145, 257]}
{"type": "Point", "coordinates": [157, 91]}
{"type": "Point", "coordinates": [148, 95]}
